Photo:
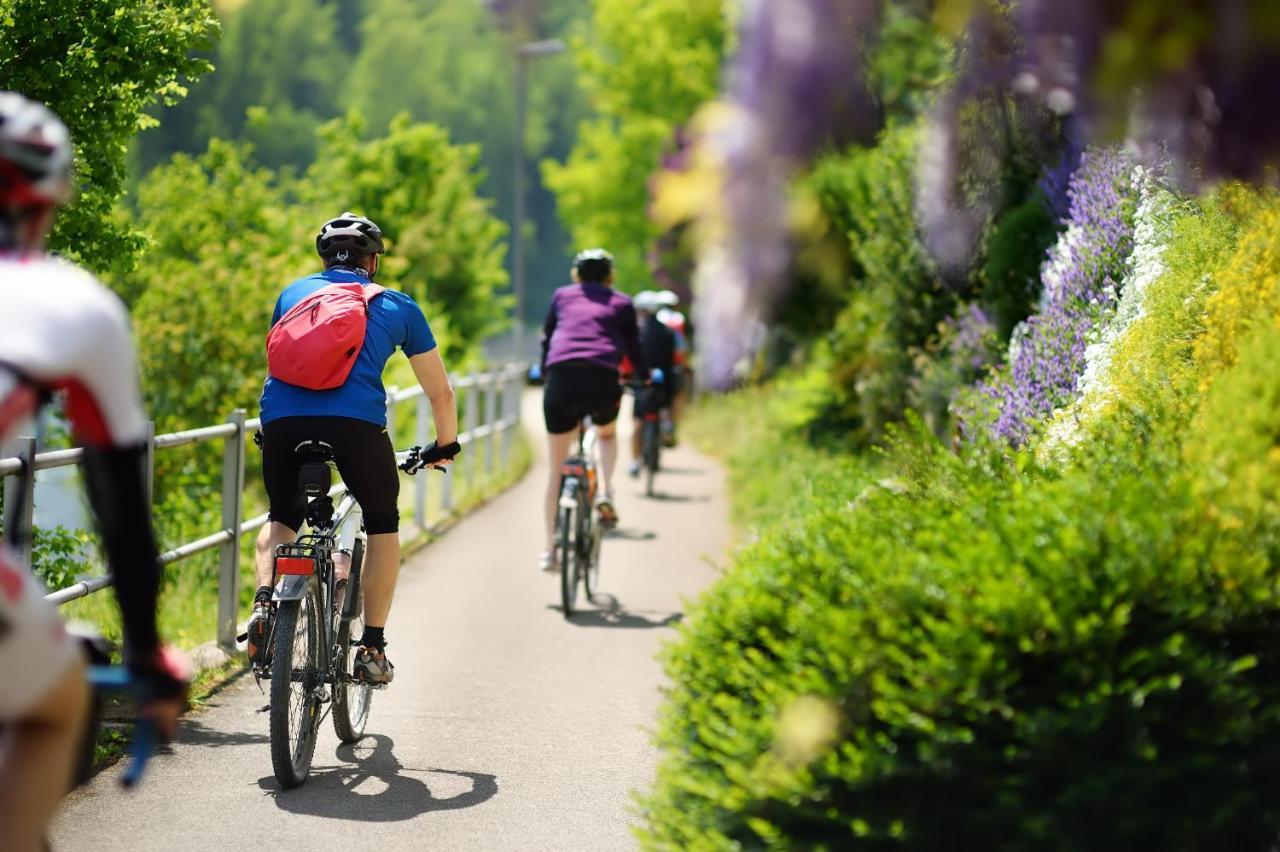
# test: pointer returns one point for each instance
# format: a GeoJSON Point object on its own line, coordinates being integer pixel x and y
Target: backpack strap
{"type": "Point", "coordinates": [372, 291]}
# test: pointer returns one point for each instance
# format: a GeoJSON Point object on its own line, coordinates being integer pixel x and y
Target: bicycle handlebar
{"type": "Point", "coordinates": [418, 458]}
{"type": "Point", "coordinates": [118, 679]}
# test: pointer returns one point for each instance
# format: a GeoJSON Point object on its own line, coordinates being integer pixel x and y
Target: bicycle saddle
{"type": "Point", "coordinates": [316, 451]}
{"type": "Point", "coordinates": [315, 477]}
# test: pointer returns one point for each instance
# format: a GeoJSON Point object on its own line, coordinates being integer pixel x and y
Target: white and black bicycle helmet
{"type": "Point", "coordinates": [35, 153]}
{"type": "Point", "coordinates": [353, 235]}
{"type": "Point", "coordinates": [594, 265]}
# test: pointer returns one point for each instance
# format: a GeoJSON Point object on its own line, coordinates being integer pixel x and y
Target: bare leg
{"type": "Point", "coordinates": [37, 761]}
{"type": "Point", "coordinates": [558, 447]}
{"type": "Point", "coordinates": [270, 537]}
{"type": "Point", "coordinates": [637, 445]}
{"type": "Point", "coordinates": [607, 441]}
{"type": "Point", "coordinates": [381, 568]}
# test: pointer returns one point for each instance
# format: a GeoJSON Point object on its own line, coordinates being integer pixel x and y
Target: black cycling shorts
{"type": "Point", "coordinates": [363, 453]}
{"type": "Point", "coordinates": [574, 391]}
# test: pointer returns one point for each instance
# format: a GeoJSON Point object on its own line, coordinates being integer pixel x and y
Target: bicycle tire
{"type": "Point", "coordinates": [591, 576]}
{"type": "Point", "coordinates": [649, 443]}
{"type": "Point", "coordinates": [292, 762]}
{"type": "Point", "coordinates": [568, 563]}
{"type": "Point", "coordinates": [351, 700]}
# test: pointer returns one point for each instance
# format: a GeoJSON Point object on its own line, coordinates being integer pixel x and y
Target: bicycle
{"type": "Point", "coordinates": [648, 407]}
{"type": "Point", "coordinates": [318, 625]}
{"type": "Point", "coordinates": [578, 532]}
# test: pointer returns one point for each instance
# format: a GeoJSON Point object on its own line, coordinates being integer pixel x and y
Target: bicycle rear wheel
{"type": "Point", "coordinates": [295, 680]}
{"type": "Point", "coordinates": [568, 562]}
{"type": "Point", "coordinates": [649, 443]}
{"type": "Point", "coordinates": [351, 700]}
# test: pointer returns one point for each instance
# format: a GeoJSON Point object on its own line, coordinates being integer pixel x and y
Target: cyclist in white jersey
{"type": "Point", "coordinates": [63, 332]}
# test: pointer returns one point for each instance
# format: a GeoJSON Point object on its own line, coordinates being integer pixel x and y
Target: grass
{"type": "Point", "coordinates": [776, 471]}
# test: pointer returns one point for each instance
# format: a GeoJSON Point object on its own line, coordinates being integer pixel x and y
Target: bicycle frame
{"type": "Point", "coordinates": [313, 554]}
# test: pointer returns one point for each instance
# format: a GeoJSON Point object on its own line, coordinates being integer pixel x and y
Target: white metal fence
{"type": "Point", "coordinates": [491, 409]}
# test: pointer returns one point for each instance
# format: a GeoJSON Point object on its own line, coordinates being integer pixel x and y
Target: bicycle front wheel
{"type": "Point", "coordinates": [351, 699]}
{"type": "Point", "coordinates": [591, 570]}
{"type": "Point", "coordinates": [296, 678]}
{"type": "Point", "coordinates": [568, 562]}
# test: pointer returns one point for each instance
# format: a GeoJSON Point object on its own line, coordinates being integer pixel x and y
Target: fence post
{"type": "Point", "coordinates": [504, 392]}
{"type": "Point", "coordinates": [232, 516]}
{"type": "Point", "coordinates": [473, 418]}
{"type": "Point", "coordinates": [420, 481]}
{"type": "Point", "coordinates": [391, 413]}
{"type": "Point", "coordinates": [20, 498]}
{"type": "Point", "coordinates": [490, 418]}
{"type": "Point", "coordinates": [151, 463]}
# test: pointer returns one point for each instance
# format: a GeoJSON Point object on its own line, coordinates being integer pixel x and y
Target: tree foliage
{"type": "Point", "coordinates": [647, 68]}
{"type": "Point", "coordinates": [100, 66]}
{"type": "Point", "coordinates": [286, 68]}
{"type": "Point", "coordinates": [445, 245]}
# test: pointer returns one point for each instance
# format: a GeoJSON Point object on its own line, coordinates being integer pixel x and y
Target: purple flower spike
{"type": "Point", "coordinates": [1080, 289]}
{"type": "Point", "coordinates": [794, 84]}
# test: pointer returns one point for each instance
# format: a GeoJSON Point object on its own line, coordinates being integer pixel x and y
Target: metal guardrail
{"type": "Point", "coordinates": [500, 389]}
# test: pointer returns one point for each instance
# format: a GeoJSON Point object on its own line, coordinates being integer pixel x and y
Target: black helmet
{"type": "Point", "coordinates": [353, 235]}
{"type": "Point", "coordinates": [593, 265]}
{"type": "Point", "coordinates": [35, 153]}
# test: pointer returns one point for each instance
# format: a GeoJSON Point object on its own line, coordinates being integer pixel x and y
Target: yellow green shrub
{"type": "Point", "coordinates": [1247, 285]}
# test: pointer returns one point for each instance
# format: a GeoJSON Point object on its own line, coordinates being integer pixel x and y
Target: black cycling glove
{"type": "Point", "coordinates": [433, 452]}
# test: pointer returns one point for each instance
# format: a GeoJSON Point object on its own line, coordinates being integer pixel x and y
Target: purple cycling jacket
{"type": "Point", "coordinates": [591, 324]}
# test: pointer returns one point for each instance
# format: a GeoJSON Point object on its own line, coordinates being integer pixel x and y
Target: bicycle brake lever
{"type": "Point", "coordinates": [145, 739]}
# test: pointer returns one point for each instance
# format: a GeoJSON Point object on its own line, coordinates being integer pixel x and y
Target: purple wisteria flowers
{"type": "Point", "coordinates": [794, 83]}
{"type": "Point", "coordinates": [1080, 288]}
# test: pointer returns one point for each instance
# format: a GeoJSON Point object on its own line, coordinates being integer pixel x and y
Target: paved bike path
{"type": "Point", "coordinates": [507, 727]}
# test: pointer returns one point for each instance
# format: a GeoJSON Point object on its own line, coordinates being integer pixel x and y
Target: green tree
{"type": "Point", "coordinates": [281, 64]}
{"type": "Point", "coordinates": [209, 281]}
{"type": "Point", "coordinates": [445, 245]}
{"type": "Point", "coordinates": [646, 67]}
{"type": "Point", "coordinates": [100, 65]}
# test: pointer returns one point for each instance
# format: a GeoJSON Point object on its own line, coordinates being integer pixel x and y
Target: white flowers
{"type": "Point", "coordinates": [1152, 228]}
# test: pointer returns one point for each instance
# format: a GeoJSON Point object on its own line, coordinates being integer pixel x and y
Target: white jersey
{"type": "Point", "coordinates": [59, 330]}
{"type": "Point", "coordinates": [62, 329]}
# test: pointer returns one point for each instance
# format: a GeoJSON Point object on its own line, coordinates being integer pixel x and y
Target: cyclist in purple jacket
{"type": "Point", "coordinates": [589, 327]}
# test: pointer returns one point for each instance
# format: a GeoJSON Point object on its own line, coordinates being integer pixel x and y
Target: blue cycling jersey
{"type": "Point", "coordinates": [395, 320]}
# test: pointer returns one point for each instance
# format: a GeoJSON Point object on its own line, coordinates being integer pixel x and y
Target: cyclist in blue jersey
{"type": "Point", "coordinates": [352, 418]}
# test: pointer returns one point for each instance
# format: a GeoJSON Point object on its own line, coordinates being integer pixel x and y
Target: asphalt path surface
{"type": "Point", "coordinates": [507, 727]}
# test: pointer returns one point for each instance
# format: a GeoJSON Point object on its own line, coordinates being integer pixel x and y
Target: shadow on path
{"type": "Point", "coordinates": [193, 732]}
{"type": "Point", "coordinates": [664, 497]}
{"type": "Point", "coordinates": [630, 534]}
{"type": "Point", "coordinates": [371, 785]}
{"type": "Point", "coordinates": [611, 613]}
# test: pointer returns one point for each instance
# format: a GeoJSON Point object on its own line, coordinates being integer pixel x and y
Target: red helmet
{"type": "Point", "coordinates": [35, 153]}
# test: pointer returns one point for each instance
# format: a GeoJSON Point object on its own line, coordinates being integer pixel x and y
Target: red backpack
{"type": "Point", "coordinates": [315, 344]}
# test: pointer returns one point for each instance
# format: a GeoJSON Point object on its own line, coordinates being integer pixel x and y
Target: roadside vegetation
{"type": "Point", "coordinates": [1005, 480]}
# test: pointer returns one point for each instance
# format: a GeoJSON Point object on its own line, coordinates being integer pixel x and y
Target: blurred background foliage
{"type": "Point", "coordinates": [1010, 571]}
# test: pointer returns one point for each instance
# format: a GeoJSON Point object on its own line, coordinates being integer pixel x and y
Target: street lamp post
{"type": "Point", "coordinates": [524, 53]}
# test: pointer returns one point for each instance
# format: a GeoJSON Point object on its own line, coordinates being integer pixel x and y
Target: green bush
{"type": "Point", "coordinates": [897, 297]}
{"type": "Point", "coordinates": [1016, 249]}
{"type": "Point", "coordinates": [984, 655]}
